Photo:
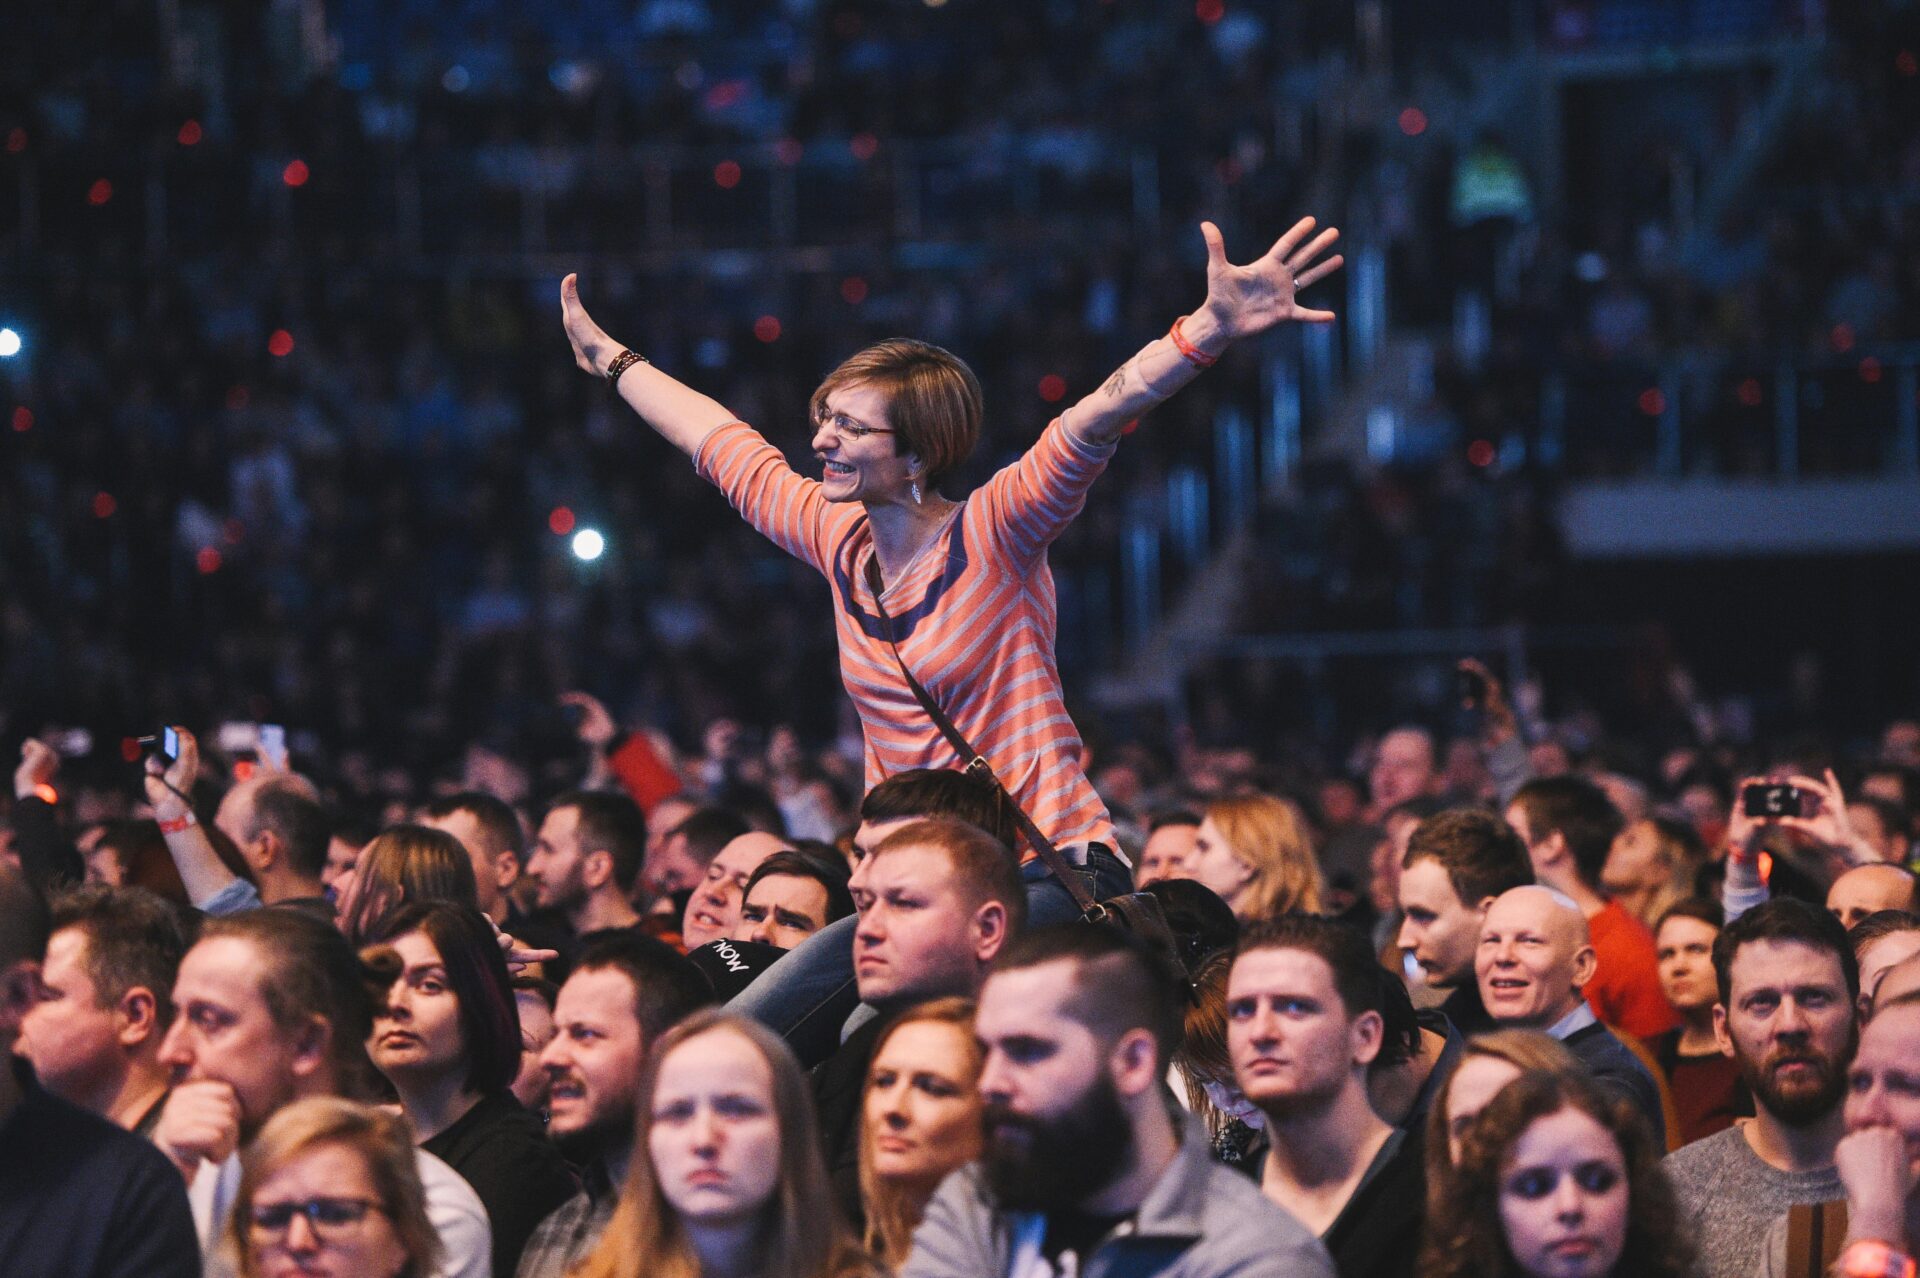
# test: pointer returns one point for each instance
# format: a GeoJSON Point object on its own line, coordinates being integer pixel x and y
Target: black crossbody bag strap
{"type": "Point", "coordinates": [976, 764]}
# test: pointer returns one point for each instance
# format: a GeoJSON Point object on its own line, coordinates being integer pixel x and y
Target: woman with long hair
{"type": "Point", "coordinates": [404, 864]}
{"type": "Point", "coordinates": [1236, 1127]}
{"type": "Point", "coordinates": [1556, 1180]}
{"type": "Point", "coordinates": [330, 1186]}
{"type": "Point", "coordinates": [920, 1119]}
{"type": "Point", "coordinates": [448, 1039]}
{"type": "Point", "coordinates": [1256, 853]}
{"type": "Point", "coordinates": [726, 1179]}
{"type": "Point", "coordinates": [1488, 1063]}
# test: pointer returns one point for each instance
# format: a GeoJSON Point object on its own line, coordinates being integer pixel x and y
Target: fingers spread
{"type": "Point", "coordinates": [1315, 249]}
{"type": "Point", "coordinates": [1284, 245]}
{"type": "Point", "coordinates": [1314, 274]}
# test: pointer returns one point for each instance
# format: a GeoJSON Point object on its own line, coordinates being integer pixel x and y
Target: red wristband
{"type": "Point", "coordinates": [1870, 1258]}
{"type": "Point", "coordinates": [1188, 351]}
{"type": "Point", "coordinates": [179, 823]}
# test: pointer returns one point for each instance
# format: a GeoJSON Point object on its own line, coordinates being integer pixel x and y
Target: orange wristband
{"type": "Point", "coordinates": [1870, 1258]}
{"type": "Point", "coordinates": [1188, 351]}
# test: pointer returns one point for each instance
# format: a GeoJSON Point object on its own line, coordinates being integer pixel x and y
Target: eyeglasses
{"type": "Point", "coordinates": [845, 425]}
{"type": "Point", "coordinates": [329, 1217]}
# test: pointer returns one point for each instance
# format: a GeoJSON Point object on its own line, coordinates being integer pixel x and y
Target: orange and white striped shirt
{"type": "Point", "coordinates": [974, 615]}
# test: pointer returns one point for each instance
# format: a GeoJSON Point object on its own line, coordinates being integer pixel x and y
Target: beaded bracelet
{"type": "Point", "coordinates": [1188, 351]}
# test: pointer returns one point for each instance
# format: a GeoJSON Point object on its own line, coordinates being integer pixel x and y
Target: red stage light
{"type": "Point", "coordinates": [207, 561]}
{"type": "Point", "coordinates": [1413, 122]}
{"type": "Point", "coordinates": [296, 173]}
{"type": "Point", "coordinates": [16, 141]}
{"type": "Point", "coordinates": [100, 192]}
{"type": "Point", "coordinates": [1053, 388]}
{"type": "Point", "coordinates": [280, 345]}
{"type": "Point", "coordinates": [863, 146]}
{"type": "Point", "coordinates": [1480, 452]}
{"type": "Point", "coordinates": [1869, 370]}
{"type": "Point", "coordinates": [560, 521]}
{"type": "Point", "coordinates": [104, 505]}
{"type": "Point", "coordinates": [726, 175]}
{"type": "Point", "coordinates": [1841, 337]}
{"type": "Point", "coordinates": [189, 134]}
{"type": "Point", "coordinates": [767, 328]}
{"type": "Point", "coordinates": [1748, 392]}
{"type": "Point", "coordinates": [22, 420]}
{"type": "Point", "coordinates": [788, 151]}
{"type": "Point", "coordinates": [1652, 401]}
{"type": "Point", "coordinates": [1210, 11]}
{"type": "Point", "coordinates": [853, 290]}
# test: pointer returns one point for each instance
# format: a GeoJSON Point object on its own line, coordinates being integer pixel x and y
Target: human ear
{"type": "Point", "coordinates": [310, 1046]}
{"type": "Point", "coordinates": [1366, 1037]}
{"type": "Point", "coordinates": [989, 930]}
{"type": "Point", "coordinates": [1585, 964]}
{"type": "Point", "coordinates": [1135, 1063]}
{"type": "Point", "coordinates": [139, 1016]}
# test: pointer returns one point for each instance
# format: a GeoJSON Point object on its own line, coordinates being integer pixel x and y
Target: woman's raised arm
{"type": "Point", "coordinates": [683, 416]}
{"type": "Point", "coordinates": [1241, 301]}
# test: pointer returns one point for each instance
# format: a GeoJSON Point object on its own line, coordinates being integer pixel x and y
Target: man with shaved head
{"type": "Point", "coordinates": [1868, 889]}
{"type": "Point", "coordinates": [1533, 959]}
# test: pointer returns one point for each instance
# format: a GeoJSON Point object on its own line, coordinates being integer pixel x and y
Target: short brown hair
{"type": "Point", "coordinates": [941, 792]}
{"type": "Point", "coordinates": [382, 1141]}
{"type": "Point", "coordinates": [984, 865]}
{"type": "Point", "coordinates": [1481, 854]}
{"type": "Point", "coordinates": [933, 400]}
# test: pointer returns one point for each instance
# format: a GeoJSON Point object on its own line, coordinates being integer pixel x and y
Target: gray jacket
{"type": "Point", "coordinates": [1201, 1220]}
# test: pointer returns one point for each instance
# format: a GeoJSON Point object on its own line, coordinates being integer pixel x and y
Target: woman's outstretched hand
{"type": "Point", "coordinates": [1250, 299]}
{"type": "Point", "coordinates": [593, 350]}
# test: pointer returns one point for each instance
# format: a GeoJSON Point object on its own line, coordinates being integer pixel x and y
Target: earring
{"type": "Point", "coordinates": [916, 492]}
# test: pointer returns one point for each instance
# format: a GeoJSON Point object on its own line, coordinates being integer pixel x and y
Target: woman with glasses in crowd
{"type": "Point", "coordinates": [1556, 1180]}
{"type": "Point", "coordinates": [329, 1186]}
{"type": "Point", "coordinates": [726, 1179]}
{"type": "Point", "coordinates": [448, 1039]}
{"type": "Point", "coordinates": [1255, 852]}
{"type": "Point", "coordinates": [920, 1119]}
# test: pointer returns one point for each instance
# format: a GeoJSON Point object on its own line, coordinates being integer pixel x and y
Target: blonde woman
{"type": "Point", "coordinates": [920, 1119]}
{"type": "Point", "coordinates": [1254, 852]}
{"type": "Point", "coordinates": [726, 1179]}
{"type": "Point", "coordinates": [330, 1186]}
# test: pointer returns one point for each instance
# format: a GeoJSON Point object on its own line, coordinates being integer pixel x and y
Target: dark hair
{"type": "Point", "coordinates": [667, 988]}
{"type": "Point", "coordinates": [1419, 807]}
{"type": "Point", "coordinates": [1357, 974]}
{"type": "Point", "coordinates": [985, 865]}
{"type": "Point", "coordinates": [830, 873]}
{"type": "Point", "coordinates": [941, 792]}
{"type": "Point", "coordinates": [141, 850]}
{"type": "Point", "coordinates": [1120, 982]}
{"type": "Point", "coordinates": [1399, 1023]}
{"type": "Point", "coordinates": [1481, 854]}
{"type": "Point", "coordinates": [1580, 812]}
{"type": "Point", "coordinates": [544, 990]}
{"type": "Point", "coordinates": [1465, 1238]}
{"type": "Point", "coordinates": [1162, 818]}
{"type": "Point", "coordinates": [1894, 818]}
{"type": "Point", "coordinates": [610, 823]}
{"type": "Point", "coordinates": [309, 970]}
{"type": "Point", "coordinates": [1784, 918]}
{"type": "Point", "coordinates": [499, 827]}
{"type": "Point", "coordinates": [1693, 907]}
{"type": "Point", "coordinates": [1881, 923]}
{"type": "Point", "coordinates": [283, 808]}
{"type": "Point", "coordinates": [707, 830]}
{"type": "Point", "coordinates": [405, 864]}
{"type": "Point", "coordinates": [1201, 923]}
{"type": "Point", "coordinates": [24, 923]}
{"type": "Point", "coordinates": [477, 973]}
{"type": "Point", "coordinates": [755, 805]}
{"type": "Point", "coordinates": [135, 940]}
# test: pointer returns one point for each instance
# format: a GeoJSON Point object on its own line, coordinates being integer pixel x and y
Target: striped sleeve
{"type": "Point", "coordinates": [1032, 501]}
{"type": "Point", "coordinates": [783, 506]}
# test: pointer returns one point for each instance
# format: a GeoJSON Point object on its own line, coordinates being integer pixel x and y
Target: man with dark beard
{"type": "Point", "coordinates": [1305, 1026]}
{"type": "Point", "coordinates": [1084, 1168]}
{"type": "Point", "coordinates": [1788, 982]}
{"type": "Point", "coordinates": [625, 992]}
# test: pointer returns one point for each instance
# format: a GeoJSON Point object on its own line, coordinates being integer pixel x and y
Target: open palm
{"type": "Point", "coordinates": [1250, 299]}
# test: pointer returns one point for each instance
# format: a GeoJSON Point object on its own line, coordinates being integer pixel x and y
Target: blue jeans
{"type": "Point", "coordinates": [808, 995]}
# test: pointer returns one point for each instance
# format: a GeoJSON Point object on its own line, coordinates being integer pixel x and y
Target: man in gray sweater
{"type": "Point", "coordinates": [1085, 1170]}
{"type": "Point", "coordinates": [1788, 981]}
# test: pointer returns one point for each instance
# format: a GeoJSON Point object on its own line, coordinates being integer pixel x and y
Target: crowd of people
{"type": "Point", "coordinates": [1558, 1022]}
